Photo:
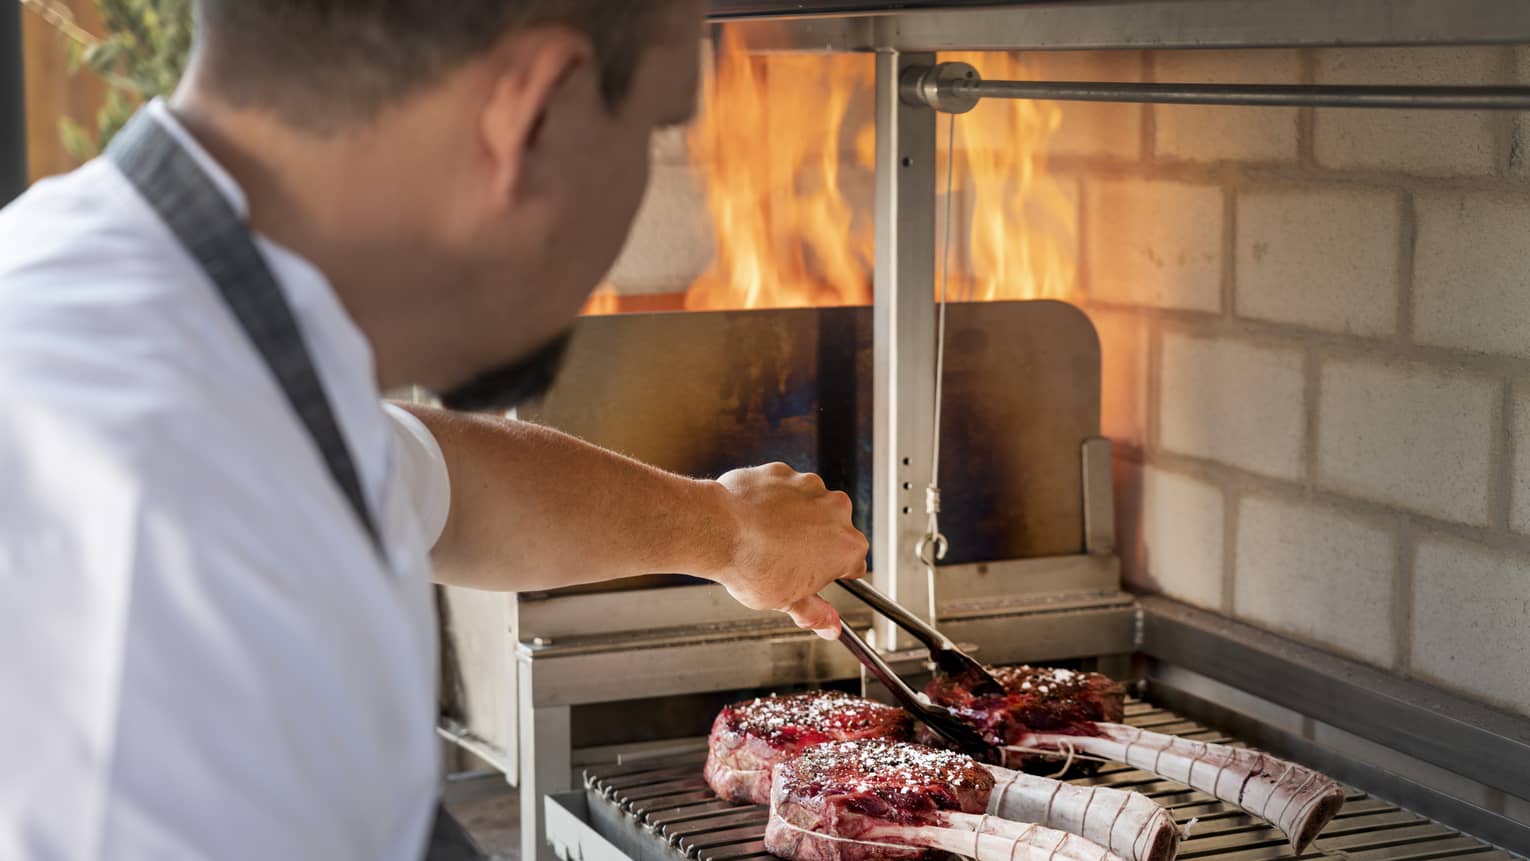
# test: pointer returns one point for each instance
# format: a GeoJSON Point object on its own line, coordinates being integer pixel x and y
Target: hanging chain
{"type": "Point", "coordinates": [932, 547]}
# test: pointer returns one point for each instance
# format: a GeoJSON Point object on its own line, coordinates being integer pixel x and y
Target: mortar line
{"type": "Point", "coordinates": [1306, 150]}
{"type": "Point", "coordinates": [1229, 251]}
{"type": "Point", "coordinates": [1232, 505]}
{"type": "Point", "coordinates": [1335, 344]}
{"type": "Point", "coordinates": [1375, 511]}
{"type": "Point", "coordinates": [1407, 260]}
{"type": "Point", "coordinates": [1281, 174]}
{"type": "Point", "coordinates": [1501, 454]}
{"type": "Point", "coordinates": [1154, 359]}
{"type": "Point", "coordinates": [1504, 122]}
{"type": "Point", "coordinates": [1311, 393]}
{"type": "Point", "coordinates": [1402, 596]}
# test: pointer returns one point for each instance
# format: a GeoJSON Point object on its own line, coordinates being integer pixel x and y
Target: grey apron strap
{"type": "Point", "coordinates": [220, 241]}
{"type": "Point", "coordinates": [213, 233]}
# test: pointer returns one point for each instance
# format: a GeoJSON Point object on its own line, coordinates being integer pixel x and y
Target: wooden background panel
{"type": "Point", "coordinates": [52, 93]}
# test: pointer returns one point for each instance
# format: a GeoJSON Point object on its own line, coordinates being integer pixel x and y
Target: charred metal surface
{"type": "Point", "coordinates": [704, 392]}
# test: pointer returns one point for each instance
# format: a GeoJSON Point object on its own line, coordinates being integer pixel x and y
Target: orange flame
{"type": "Point", "coordinates": [770, 142]}
{"type": "Point", "coordinates": [783, 140]}
{"type": "Point", "coordinates": [1022, 224]}
{"type": "Point", "coordinates": [1022, 228]}
{"type": "Point", "coordinates": [604, 300]}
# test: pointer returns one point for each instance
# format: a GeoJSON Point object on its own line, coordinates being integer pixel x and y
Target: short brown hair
{"type": "Point", "coordinates": [323, 63]}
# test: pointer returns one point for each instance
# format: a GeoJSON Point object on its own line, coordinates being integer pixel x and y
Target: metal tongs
{"type": "Point", "coordinates": [949, 660]}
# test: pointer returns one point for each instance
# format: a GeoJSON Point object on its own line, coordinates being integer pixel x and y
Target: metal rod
{"type": "Point", "coordinates": [13, 113]}
{"type": "Point", "coordinates": [1315, 96]}
{"type": "Point", "coordinates": [956, 88]}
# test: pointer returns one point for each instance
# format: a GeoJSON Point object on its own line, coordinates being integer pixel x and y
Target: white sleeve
{"type": "Point", "coordinates": [422, 469]}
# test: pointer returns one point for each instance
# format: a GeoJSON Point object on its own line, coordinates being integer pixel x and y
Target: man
{"type": "Point", "coordinates": [218, 633]}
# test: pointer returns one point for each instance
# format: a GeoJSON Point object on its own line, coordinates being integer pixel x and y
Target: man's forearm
{"type": "Point", "coordinates": [533, 508]}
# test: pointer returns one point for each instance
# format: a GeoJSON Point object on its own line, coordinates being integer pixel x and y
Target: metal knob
{"type": "Point", "coordinates": [946, 87]}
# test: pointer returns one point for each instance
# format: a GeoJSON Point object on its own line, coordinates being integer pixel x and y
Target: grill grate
{"type": "Point", "coordinates": [665, 797]}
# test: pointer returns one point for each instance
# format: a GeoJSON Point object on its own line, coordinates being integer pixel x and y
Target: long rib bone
{"type": "Point", "coordinates": [863, 838]}
{"type": "Point", "coordinates": [871, 800]}
{"type": "Point", "coordinates": [1128, 823]}
{"type": "Point", "coordinates": [1295, 799]}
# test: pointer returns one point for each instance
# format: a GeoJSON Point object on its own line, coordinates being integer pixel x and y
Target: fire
{"type": "Point", "coordinates": [770, 143]}
{"type": "Point", "coordinates": [603, 300]}
{"type": "Point", "coordinates": [1022, 224]}
{"type": "Point", "coordinates": [785, 145]}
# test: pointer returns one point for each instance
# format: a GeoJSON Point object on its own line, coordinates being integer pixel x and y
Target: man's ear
{"type": "Point", "coordinates": [534, 65]}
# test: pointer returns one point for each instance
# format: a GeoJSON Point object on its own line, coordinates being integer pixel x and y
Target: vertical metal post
{"type": "Point", "coordinates": [904, 335]}
{"type": "Point", "coordinates": [546, 763]}
{"type": "Point", "coordinates": [13, 112]}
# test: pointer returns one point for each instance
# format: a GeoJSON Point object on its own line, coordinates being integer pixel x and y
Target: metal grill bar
{"type": "Point", "coordinates": [665, 798]}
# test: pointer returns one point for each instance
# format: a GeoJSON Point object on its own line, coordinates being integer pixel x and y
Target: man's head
{"type": "Point", "coordinates": [512, 135]}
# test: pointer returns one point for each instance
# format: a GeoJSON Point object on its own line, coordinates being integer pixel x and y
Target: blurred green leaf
{"type": "Point", "coordinates": [77, 142]}
{"type": "Point", "coordinates": [142, 56]}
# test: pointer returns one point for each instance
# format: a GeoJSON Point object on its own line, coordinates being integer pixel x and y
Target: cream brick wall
{"type": "Point", "coordinates": [1320, 257]}
{"type": "Point", "coordinates": [1093, 129]}
{"type": "Point", "coordinates": [1233, 402]}
{"type": "Point", "coordinates": [1154, 243]}
{"type": "Point", "coordinates": [1217, 133]}
{"type": "Point", "coordinates": [1471, 620]}
{"type": "Point", "coordinates": [1317, 573]}
{"type": "Point", "coordinates": [1442, 143]}
{"type": "Point", "coordinates": [1316, 329]}
{"type": "Point", "coordinates": [1408, 435]}
{"type": "Point", "coordinates": [1183, 524]}
{"type": "Point", "coordinates": [1472, 282]}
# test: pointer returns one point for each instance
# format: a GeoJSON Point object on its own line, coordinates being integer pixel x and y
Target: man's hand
{"type": "Point", "coordinates": [794, 538]}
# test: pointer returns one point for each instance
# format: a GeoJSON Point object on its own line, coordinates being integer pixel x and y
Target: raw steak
{"type": "Point", "coordinates": [1061, 714]}
{"type": "Point", "coordinates": [748, 739]}
{"type": "Point", "coordinates": [868, 800]}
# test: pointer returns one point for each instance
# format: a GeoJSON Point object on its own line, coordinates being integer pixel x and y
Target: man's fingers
{"type": "Point", "coordinates": [856, 572]}
{"type": "Point", "coordinates": [817, 615]}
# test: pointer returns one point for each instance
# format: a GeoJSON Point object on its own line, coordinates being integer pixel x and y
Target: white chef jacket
{"type": "Point", "coordinates": [201, 653]}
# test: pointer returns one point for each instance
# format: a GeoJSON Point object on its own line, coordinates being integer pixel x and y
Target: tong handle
{"type": "Point", "coordinates": [872, 661]}
{"type": "Point", "coordinates": [935, 717]}
{"type": "Point", "coordinates": [921, 630]}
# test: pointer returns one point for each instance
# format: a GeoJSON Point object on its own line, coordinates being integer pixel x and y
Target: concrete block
{"type": "Point", "coordinates": [1447, 143]}
{"type": "Point", "coordinates": [1089, 129]}
{"type": "Point", "coordinates": [1233, 402]}
{"type": "Point", "coordinates": [1183, 523]}
{"type": "Point", "coordinates": [1154, 243]}
{"type": "Point", "coordinates": [1216, 133]}
{"type": "Point", "coordinates": [671, 240]}
{"type": "Point", "coordinates": [1471, 276]}
{"type": "Point", "coordinates": [1326, 258]}
{"type": "Point", "coordinates": [1124, 362]}
{"type": "Point", "coordinates": [1408, 435]}
{"type": "Point", "coordinates": [1471, 612]}
{"type": "Point", "coordinates": [1312, 572]}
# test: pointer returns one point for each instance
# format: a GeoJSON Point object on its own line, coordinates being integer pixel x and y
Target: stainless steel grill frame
{"type": "Point", "coordinates": [552, 674]}
{"type": "Point", "coordinates": [656, 808]}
